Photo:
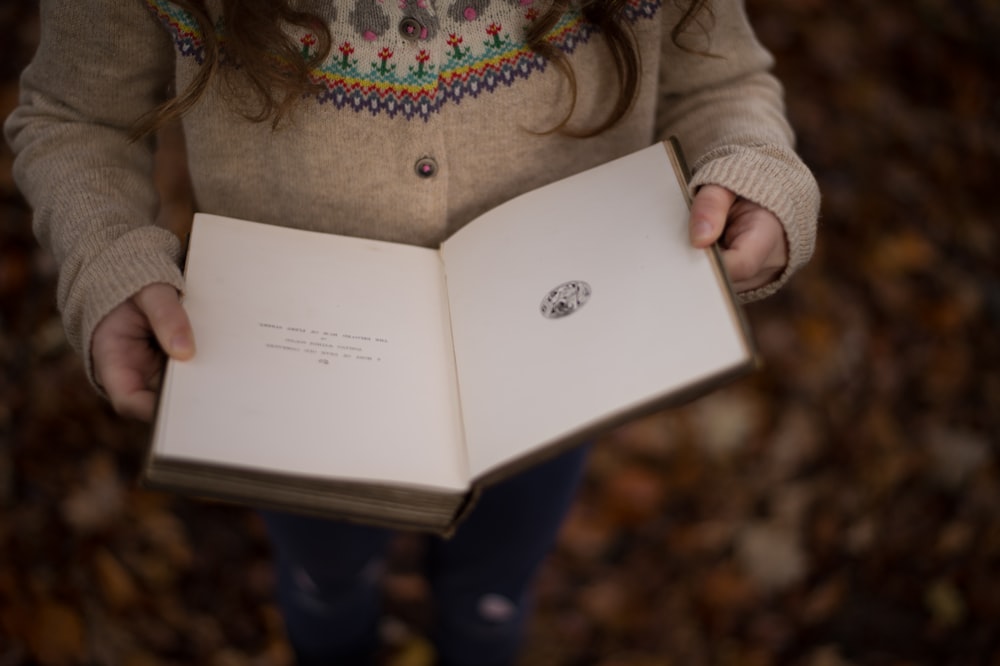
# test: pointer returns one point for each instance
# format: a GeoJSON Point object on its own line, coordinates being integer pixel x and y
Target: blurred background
{"type": "Point", "coordinates": [840, 507]}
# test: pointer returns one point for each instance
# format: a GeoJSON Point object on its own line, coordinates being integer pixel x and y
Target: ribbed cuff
{"type": "Point", "coordinates": [775, 178]}
{"type": "Point", "coordinates": [139, 258]}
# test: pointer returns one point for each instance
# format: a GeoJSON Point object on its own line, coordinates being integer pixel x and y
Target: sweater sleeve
{"type": "Point", "coordinates": [719, 98]}
{"type": "Point", "coordinates": [100, 65]}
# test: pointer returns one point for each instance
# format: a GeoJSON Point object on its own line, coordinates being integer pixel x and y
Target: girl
{"type": "Point", "coordinates": [397, 120]}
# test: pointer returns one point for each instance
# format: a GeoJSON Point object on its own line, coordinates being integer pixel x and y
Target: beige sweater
{"type": "Point", "coordinates": [423, 124]}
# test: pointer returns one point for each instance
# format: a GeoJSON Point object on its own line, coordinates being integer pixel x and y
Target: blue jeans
{"type": "Point", "coordinates": [328, 573]}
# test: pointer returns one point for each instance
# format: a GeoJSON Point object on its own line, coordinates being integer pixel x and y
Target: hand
{"type": "Point", "coordinates": [127, 359]}
{"type": "Point", "coordinates": [753, 243]}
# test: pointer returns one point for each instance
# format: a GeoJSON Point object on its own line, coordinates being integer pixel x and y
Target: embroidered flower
{"type": "Point", "coordinates": [454, 41]}
{"type": "Point", "coordinates": [422, 58]}
{"type": "Point", "coordinates": [494, 31]}
{"type": "Point", "coordinates": [307, 40]}
{"type": "Point", "coordinates": [384, 54]}
{"type": "Point", "coordinates": [345, 50]}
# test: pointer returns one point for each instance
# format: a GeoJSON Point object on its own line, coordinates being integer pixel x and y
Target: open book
{"type": "Point", "coordinates": [386, 383]}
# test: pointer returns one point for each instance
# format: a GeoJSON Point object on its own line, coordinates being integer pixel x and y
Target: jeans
{"type": "Point", "coordinates": [328, 573]}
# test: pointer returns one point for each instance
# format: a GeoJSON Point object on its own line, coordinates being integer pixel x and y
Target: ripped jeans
{"type": "Point", "coordinates": [328, 573]}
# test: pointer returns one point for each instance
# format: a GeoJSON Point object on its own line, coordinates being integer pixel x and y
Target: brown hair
{"type": "Point", "coordinates": [268, 59]}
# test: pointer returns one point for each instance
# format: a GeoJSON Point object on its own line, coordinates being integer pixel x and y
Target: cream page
{"type": "Point", "coordinates": [654, 316]}
{"type": "Point", "coordinates": [316, 355]}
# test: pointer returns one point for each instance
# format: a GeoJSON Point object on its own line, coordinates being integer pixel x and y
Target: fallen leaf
{"type": "Point", "coordinates": [57, 634]}
{"type": "Point", "coordinates": [771, 555]}
{"type": "Point", "coordinates": [116, 583]}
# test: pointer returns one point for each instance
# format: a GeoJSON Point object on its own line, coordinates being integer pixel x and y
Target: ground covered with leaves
{"type": "Point", "coordinates": [839, 507]}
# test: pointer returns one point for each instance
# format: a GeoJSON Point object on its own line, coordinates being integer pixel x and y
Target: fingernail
{"type": "Point", "coordinates": [701, 230]}
{"type": "Point", "coordinates": [181, 344]}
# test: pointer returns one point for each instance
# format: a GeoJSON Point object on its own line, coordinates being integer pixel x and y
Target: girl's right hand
{"type": "Point", "coordinates": [128, 345]}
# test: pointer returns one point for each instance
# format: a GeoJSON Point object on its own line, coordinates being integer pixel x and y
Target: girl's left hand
{"type": "Point", "coordinates": [752, 240]}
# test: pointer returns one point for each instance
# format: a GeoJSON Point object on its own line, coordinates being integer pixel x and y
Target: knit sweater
{"type": "Point", "coordinates": [430, 113]}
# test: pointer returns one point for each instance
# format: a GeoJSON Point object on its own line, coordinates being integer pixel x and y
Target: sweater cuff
{"type": "Point", "coordinates": [139, 258]}
{"type": "Point", "coordinates": [775, 178]}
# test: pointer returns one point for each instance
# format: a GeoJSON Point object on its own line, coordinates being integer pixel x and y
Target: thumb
{"type": "Point", "coordinates": [170, 324]}
{"type": "Point", "coordinates": [709, 212]}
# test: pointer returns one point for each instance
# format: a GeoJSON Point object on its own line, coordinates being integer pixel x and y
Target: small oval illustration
{"type": "Point", "coordinates": [565, 299]}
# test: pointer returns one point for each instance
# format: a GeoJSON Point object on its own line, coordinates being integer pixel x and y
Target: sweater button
{"type": "Point", "coordinates": [411, 29]}
{"type": "Point", "coordinates": [426, 167]}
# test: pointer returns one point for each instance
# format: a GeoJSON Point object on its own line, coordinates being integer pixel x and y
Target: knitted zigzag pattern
{"type": "Point", "coordinates": [375, 70]}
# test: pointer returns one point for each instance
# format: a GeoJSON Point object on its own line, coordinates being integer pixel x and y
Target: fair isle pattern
{"type": "Point", "coordinates": [183, 28]}
{"type": "Point", "coordinates": [420, 92]}
{"type": "Point", "coordinates": [398, 79]}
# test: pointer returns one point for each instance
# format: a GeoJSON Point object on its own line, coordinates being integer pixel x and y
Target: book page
{"type": "Point", "coordinates": [316, 355]}
{"type": "Point", "coordinates": [582, 300]}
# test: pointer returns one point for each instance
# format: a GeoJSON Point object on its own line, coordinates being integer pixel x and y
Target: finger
{"type": "Point", "coordinates": [128, 392]}
{"type": "Point", "coordinates": [741, 269]}
{"type": "Point", "coordinates": [140, 405]}
{"type": "Point", "coordinates": [749, 258]}
{"type": "Point", "coordinates": [709, 211]}
{"type": "Point", "coordinates": [167, 318]}
{"type": "Point", "coordinates": [756, 282]}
